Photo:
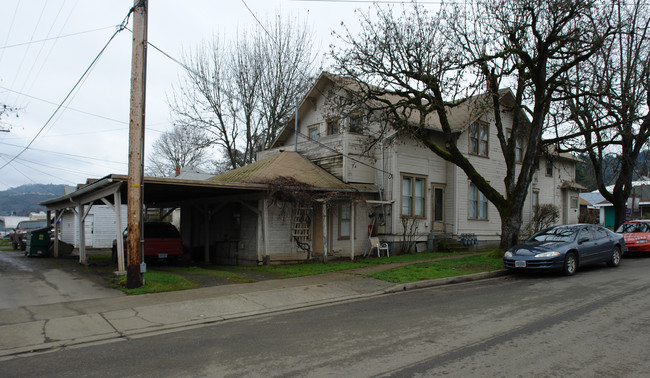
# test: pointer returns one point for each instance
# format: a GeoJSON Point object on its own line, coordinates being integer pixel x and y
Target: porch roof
{"type": "Point", "coordinates": [157, 191]}
{"type": "Point", "coordinates": [289, 164]}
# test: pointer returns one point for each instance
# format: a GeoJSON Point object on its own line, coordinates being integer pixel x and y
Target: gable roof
{"type": "Point", "coordinates": [460, 117]}
{"type": "Point", "coordinates": [284, 164]}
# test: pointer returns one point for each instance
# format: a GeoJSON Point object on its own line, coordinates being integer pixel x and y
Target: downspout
{"type": "Point", "coordinates": [295, 133]}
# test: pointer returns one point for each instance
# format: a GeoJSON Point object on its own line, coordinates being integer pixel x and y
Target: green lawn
{"type": "Point", "coordinates": [440, 269]}
{"type": "Point", "coordinates": [300, 270]}
{"type": "Point", "coordinates": [156, 282]}
{"type": "Point", "coordinates": [182, 278]}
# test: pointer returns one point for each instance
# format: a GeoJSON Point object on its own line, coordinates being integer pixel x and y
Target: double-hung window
{"type": "Point", "coordinates": [519, 149]}
{"type": "Point", "coordinates": [345, 217]}
{"type": "Point", "coordinates": [413, 196]}
{"type": "Point", "coordinates": [478, 204]}
{"type": "Point", "coordinates": [478, 138]}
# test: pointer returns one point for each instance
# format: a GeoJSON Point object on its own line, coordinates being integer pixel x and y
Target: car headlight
{"type": "Point", "coordinates": [641, 241]}
{"type": "Point", "coordinates": [544, 255]}
{"type": "Point", "coordinates": [507, 254]}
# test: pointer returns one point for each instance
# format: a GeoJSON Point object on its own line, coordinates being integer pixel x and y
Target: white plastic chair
{"type": "Point", "coordinates": [375, 243]}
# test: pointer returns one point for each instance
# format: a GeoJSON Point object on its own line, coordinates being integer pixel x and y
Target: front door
{"type": "Point", "coordinates": [438, 208]}
{"type": "Point", "coordinates": [317, 224]}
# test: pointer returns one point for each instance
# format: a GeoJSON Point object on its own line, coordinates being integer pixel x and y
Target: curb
{"type": "Point", "coordinates": [444, 281]}
{"type": "Point", "coordinates": [143, 332]}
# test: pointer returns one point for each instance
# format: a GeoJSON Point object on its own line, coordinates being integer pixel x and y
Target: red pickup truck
{"type": "Point", "coordinates": [161, 241]}
{"type": "Point", "coordinates": [17, 235]}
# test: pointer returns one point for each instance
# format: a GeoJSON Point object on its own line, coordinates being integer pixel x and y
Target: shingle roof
{"type": "Point", "coordinates": [284, 164]}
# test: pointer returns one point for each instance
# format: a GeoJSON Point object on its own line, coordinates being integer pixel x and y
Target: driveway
{"type": "Point", "coordinates": [26, 281]}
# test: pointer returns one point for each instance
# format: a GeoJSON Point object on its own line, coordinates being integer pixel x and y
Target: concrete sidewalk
{"type": "Point", "coordinates": [43, 327]}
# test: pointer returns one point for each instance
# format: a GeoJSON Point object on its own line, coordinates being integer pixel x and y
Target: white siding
{"type": "Point", "coordinates": [103, 231]}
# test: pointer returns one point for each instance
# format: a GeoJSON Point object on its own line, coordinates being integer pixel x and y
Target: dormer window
{"type": "Point", "coordinates": [313, 132]}
{"type": "Point", "coordinates": [333, 127]}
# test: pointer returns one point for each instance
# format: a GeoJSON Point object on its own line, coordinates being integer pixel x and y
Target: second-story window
{"type": "Point", "coordinates": [519, 150]}
{"type": "Point", "coordinates": [333, 127]}
{"type": "Point", "coordinates": [313, 132]}
{"type": "Point", "coordinates": [355, 124]}
{"type": "Point", "coordinates": [478, 138]}
{"type": "Point", "coordinates": [413, 196]}
{"type": "Point", "coordinates": [549, 167]}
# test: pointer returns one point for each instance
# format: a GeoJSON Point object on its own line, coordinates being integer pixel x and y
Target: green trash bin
{"type": "Point", "coordinates": [37, 242]}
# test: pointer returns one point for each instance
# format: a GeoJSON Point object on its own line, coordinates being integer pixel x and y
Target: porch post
{"type": "Point", "coordinates": [352, 228]}
{"type": "Point", "coordinates": [325, 230]}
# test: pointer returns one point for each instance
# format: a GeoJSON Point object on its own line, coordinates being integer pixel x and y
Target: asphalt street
{"type": "Point", "coordinates": [595, 323]}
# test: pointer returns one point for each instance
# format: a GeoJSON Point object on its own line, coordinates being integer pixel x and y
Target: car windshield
{"type": "Point", "coordinates": [558, 234]}
{"type": "Point", "coordinates": [160, 230]}
{"type": "Point", "coordinates": [634, 227]}
{"type": "Point", "coordinates": [32, 224]}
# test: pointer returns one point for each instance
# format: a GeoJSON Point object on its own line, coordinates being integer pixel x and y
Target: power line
{"type": "Point", "coordinates": [67, 155]}
{"type": "Point", "coordinates": [58, 37]}
{"type": "Point", "coordinates": [122, 26]}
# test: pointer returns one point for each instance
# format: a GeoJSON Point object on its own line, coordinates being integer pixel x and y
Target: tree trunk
{"type": "Point", "coordinates": [620, 211]}
{"type": "Point", "coordinates": [510, 227]}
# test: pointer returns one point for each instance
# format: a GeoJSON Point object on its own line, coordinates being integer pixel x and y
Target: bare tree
{"type": "Point", "coordinates": [415, 67]}
{"type": "Point", "coordinates": [182, 147]}
{"type": "Point", "coordinates": [6, 110]}
{"type": "Point", "coordinates": [242, 93]}
{"type": "Point", "coordinates": [608, 104]}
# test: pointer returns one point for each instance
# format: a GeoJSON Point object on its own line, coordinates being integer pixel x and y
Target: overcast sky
{"type": "Point", "coordinates": [45, 46]}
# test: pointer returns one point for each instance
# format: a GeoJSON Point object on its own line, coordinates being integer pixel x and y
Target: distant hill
{"type": "Point", "coordinates": [26, 198]}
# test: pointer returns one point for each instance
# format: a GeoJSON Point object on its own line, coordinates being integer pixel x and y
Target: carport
{"type": "Point", "coordinates": [158, 193]}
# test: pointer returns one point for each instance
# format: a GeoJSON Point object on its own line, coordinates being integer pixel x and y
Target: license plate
{"type": "Point", "coordinates": [162, 255]}
{"type": "Point", "coordinates": [520, 264]}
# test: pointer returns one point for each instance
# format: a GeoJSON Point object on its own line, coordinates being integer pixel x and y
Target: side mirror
{"type": "Point", "coordinates": [583, 239]}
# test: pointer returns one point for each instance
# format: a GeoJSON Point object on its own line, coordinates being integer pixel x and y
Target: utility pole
{"type": "Point", "coordinates": [134, 266]}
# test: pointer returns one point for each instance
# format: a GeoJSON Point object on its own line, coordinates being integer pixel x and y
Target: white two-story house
{"type": "Point", "coordinates": [419, 196]}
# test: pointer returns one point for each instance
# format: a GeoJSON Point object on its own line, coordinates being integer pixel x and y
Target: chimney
{"type": "Point", "coordinates": [178, 170]}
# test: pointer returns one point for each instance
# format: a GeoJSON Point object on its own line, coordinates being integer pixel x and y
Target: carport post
{"type": "Point", "coordinates": [82, 234]}
{"type": "Point", "coordinates": [57, 217]}
{"type": "Point", "coordinates": [117, 199]}
{"type": "Point", "coordinates": [206, 247]}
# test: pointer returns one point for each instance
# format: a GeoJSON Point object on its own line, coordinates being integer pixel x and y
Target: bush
{"type": "Point", "coordinates": [545, 217]}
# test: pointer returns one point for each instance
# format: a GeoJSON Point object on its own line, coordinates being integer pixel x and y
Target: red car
{"type": "Point", "coordinates": [161, 241]}
{"type": "Point", "coordinates": [636, 234]}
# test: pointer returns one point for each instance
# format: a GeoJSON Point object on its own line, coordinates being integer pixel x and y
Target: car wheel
{"type": "Point", "coordinates": [114, 254]}
{"type": "Point", "coordinates": [615, 260]}
{"type": "Point", "coordinates": [570, 264]}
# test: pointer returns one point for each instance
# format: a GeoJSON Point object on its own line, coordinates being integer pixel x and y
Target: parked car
{"type": "Point", "coordinates": [636, 234]}
{"type": "Point", "coordinates": [18, 234]}
{"type": "Point", "coordinates": [161, 241]}
{"type": "Point", "coordinates": [565, 248]}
